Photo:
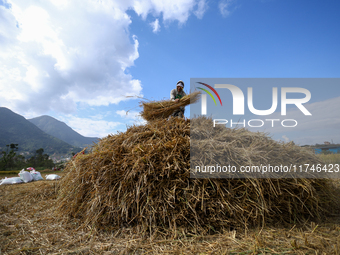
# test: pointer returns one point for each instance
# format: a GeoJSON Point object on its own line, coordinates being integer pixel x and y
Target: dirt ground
{"type": "Point", "coordinates": [28, 226]}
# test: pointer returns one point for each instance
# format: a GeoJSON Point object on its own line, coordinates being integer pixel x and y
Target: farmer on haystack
{"type": "Point", "coordinates": [175, 95]}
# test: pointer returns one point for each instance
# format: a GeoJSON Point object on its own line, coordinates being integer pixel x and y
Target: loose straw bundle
{"type": "Point", "coordinates": [163, 109]}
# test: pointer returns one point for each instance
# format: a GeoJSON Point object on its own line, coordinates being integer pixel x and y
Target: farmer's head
{"type": "Point", "coordinates": [180, 86]}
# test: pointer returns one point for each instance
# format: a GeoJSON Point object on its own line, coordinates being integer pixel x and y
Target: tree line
{"type": "Point", "coordinates": [10, 160]}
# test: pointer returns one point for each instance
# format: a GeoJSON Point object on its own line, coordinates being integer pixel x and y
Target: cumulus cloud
{"type": "Point", "coordinates": [155, 26]}
{"type": "Point", "coordinates": [91, 127]}
{"type": "Point", "coordinates": [58, 54]}
{"type": "Point", "coordinates": [58, 57]}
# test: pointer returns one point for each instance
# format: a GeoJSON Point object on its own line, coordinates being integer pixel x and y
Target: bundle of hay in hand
{"type": "Point", "coordinates": [140, 180]}
{"type": "Point", "coordinates": [163, 109]}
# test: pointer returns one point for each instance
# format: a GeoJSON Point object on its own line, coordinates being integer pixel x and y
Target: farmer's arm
{"type": "Point", "coordinates": [173, 95]}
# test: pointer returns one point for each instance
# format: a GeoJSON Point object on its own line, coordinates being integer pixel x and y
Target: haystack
{"type": "Point", "coordinates": [140, 179]}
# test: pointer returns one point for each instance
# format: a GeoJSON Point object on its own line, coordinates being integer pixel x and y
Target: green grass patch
{"type": "Point", "coordinates": [330, 158]}
{"type": "Point", "coordinates": [6, 173]}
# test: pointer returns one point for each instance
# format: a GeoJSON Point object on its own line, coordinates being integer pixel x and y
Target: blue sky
{"type": "Point", "coordinates": [81, 61]}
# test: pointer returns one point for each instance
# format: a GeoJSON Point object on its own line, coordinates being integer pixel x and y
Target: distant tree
{"type": "Point", "coordinates": [7, 159]}
{"type": "Point", "coordinates": [40, 159]}
{"type": "Point", "coordinates": [19, 162]}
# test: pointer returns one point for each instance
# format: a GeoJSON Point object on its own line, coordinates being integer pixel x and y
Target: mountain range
{"type": "Point", "coordinates": [61, 131]}
{"type": "Point", "coordinates": [54, 136]}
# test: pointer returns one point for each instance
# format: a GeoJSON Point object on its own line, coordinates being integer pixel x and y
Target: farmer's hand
{"type": "Point", "coordinates": [176, 100]}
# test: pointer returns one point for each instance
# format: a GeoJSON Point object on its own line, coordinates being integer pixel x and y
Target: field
{"type": "Point", "coordinates": [28, 226]}
{"type": "Point", "coordinates": [15, 173]}
{"type": "Point", "coordinates": [330, 158]}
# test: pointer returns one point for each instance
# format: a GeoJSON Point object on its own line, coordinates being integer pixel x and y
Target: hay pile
{"type": "Point", "coordinates": [140, 179]}
{"type": "Point", "coordinates": [240, 147]}
{"type": "Point", "coordinates": [163, 109]}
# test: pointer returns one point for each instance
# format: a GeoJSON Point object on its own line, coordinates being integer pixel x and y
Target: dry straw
{"type": "Point", "coordinates": [140, 179]}
{"type": "Point", "coordinates": [163, 109]}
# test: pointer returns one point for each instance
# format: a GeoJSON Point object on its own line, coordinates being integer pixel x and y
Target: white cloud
{"type": "Point", "coordinates": [59, 57]}
{"type": "Point", "coordinates": [91, 127]}
{"type": "Point", "coordinates": [156, 27]}
{"type": "Point", "coordinates": [201, 9]}
{"type": "Point", "coordinates": [56, 55]}
{"type": "Point", "coordinates": [7, 27]}
{"type": "Point", "coordinates": [286, 138]}
{"type": "Point", "coordinates": [131, 115]}
{"type": "Point", "coordinates": [224, 7]}
{"type": "Point", "coordinates": [171, 10]}
{"type": "Point", "coordinates": [100, 116]}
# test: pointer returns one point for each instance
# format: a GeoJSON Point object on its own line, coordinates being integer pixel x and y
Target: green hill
{"type": "Point", "coordinates": [14, 128]}
{"type": "Point", "coordinates": [60, 130]}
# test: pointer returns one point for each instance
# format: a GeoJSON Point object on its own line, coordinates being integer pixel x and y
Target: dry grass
{"type": "Point", "coordinates": [132, 195]}
{"type": "Point", "coordinates": [330, 158]}
{"type": "Point", "coordinates": [139, 179]}
{"type": "Point", "coordinates": [240, 147]}
{"type": "Point", "coordinates": [163, 109]}
{"type": "Point", "coordinates": [28, 226]}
